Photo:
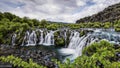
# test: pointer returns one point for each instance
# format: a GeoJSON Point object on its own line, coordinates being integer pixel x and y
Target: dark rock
{"type": "Point", "coordinates": [109, 14]}
{"type": "Point", "coordinates": [118, 54]}
{"type": "Point", "coordinates": [5, 65]}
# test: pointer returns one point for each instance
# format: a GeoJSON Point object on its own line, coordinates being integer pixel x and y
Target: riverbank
{"type": "Point", "coordinates": [39, 54]}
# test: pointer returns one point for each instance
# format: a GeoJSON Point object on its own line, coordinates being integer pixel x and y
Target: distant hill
{"type": "Point", "coordinates": [57, 22]}
{"type": "Point", "coordinates": [109, 14]}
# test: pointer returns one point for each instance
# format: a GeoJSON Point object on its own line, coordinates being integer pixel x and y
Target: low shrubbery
{"type": "Point", "coordinates": [18, 62]}
{"type": "Point", "coordinates": [97, 55]}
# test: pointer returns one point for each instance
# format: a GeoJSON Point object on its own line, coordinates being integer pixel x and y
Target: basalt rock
{"type": "Point", "coordinates": [42, 57]}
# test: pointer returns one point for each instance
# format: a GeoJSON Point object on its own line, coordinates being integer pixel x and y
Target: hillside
{"type": "Point", "coordinates": [109, 14]}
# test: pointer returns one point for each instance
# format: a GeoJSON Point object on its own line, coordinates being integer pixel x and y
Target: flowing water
{"type": "Point", "coordinates": [41, 37]}
{"type": "Point", "coordinates": [30, 39]}
{"type": "Point", "coordinates": [76, 44]}
{"type": "Point", "coordinates": [49, 38]}
{"type": "Point", "coordinates": [13, 39]}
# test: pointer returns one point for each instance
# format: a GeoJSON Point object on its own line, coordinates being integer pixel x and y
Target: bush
{"type": "Point", "coordinates": [19, 62]}
{"type": "Point", "coordinates": [107, 25]}
{"type": "Point", "coordinates": [97, 55]}
{"type": "Point", "coordinates": [59, 42]}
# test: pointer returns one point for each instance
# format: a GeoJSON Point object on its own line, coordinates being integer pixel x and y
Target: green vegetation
{"type": "Point", "coordinates": [59, 41]}
{"type": "Point", "coordinates": [117, 25]}
{"type": "Point", "coordinates": [19, 62]}
{"type": "Point", "coordinates": [10, 24]}
{"type": "Point", "coordinates": [97, 55]}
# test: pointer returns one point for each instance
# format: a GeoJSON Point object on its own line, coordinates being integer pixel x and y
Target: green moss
{"type": "Point", "coordinates": [59, 42]}
{"type": "Point", "coordinates": [107, 25]}
{"type": "Point", "coordinates": [82, 33]}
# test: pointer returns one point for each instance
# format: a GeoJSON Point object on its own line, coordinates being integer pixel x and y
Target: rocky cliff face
{"type": "Point", "coordinates": [109, 14]}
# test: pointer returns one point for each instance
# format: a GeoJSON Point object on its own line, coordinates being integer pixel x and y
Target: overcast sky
{"type": "Point", "coordinates": [55, 10]}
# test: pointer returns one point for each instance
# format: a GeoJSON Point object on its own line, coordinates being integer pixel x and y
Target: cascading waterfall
{"type": "Point", "coordinates": [32, 39]}
{"type": "Point", "coordinates": [112, 37]}
{"type": "Point", "coordinates": [49, 38]}
{"type": "Point", "coordinates": [76, 44]}
{"type": "Point", "coordinates": [41, 37]}
{"type": "Point", "coordinates": [26, 38]}
{"type": "Point", "coordinates": [71, 35]}
{"type": "Point", "coordinates": [65, 36]}
{"type": "Point", "coordinates": [13, 39]}
{"type": "Point", "coordinates": [81, 45]}
{"type": "Point", "coordinates": [74, 40]}
{"type": "Point", "coordinates": [29, 39]}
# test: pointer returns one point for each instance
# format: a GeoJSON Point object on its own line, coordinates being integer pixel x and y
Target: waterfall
{"type": "Point", "coordinates": [81, 45]}
{"type": "Point", "coordinates": [13, 39]}
{"type": "Point", "coordinates": [75, 40]}
{"type": "Point", "coordinates": [77, 44]}
{"type": "Point", "coordinates": [32, 39]}
{"type": "Point", "coordinates": [29, 39]}
{"type": "Point", "coordinates": [71, 35]}
{"type": "Point", "coordinates": [49, 38]}
{"type": "Point", "coordinates": [112, 37]}
{"type": "Point", "coordinates": [26, 38]}
{"type": "Point", "coordinates": [65, 36]}
{"type": "Point", "coordinates": [41, 37]}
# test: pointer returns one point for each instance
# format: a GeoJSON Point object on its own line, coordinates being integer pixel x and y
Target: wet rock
{"type": "Point", "coordinates": [118, 54]}
{"type": "Point", "coordinates": [116, 46]}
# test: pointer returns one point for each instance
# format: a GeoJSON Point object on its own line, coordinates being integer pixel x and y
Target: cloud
{"type": "Point", "coordinates": [55, 10]}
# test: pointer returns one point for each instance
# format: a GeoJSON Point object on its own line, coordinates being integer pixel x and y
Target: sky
{"type": "Point", "coordinates": [67, 11]}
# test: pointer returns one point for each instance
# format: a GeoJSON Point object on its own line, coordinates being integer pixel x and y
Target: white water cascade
{"type": "Point", "coordinates": [41, 37]}
{"type": "Point", "coordinates": [112, 37]}
{"type": "Point", "coordinates": [76, 45]}
{"type": "Point", "coordinates": [81, 45]}
{"type": "Point", "coordinates": [13, 39]}
{"type": "Point", "coordinates": [65, 36]}
{"type": "Point", "coordinates": [75, 40]}
{"type": "Point", "coordinates": [26, 38]}
{"type": "Point", "coordinates": [49, 38]}
{"type": "Point", "coordinates": [32, 39]}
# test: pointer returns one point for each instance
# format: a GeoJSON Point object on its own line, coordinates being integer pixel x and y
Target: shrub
{"type": "Point", "coordinates": [97, 55]}
{"type": "Point", "coordinates": [19, 62]}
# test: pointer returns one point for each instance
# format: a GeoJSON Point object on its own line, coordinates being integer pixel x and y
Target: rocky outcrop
{"type": "Point", "coordinates": [37, 54]}
{"type": "Point", "coordinates": [109, 14]}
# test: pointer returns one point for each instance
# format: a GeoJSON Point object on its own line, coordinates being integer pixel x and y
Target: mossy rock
{"type": "Point", "coordinates": [59, 42]}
